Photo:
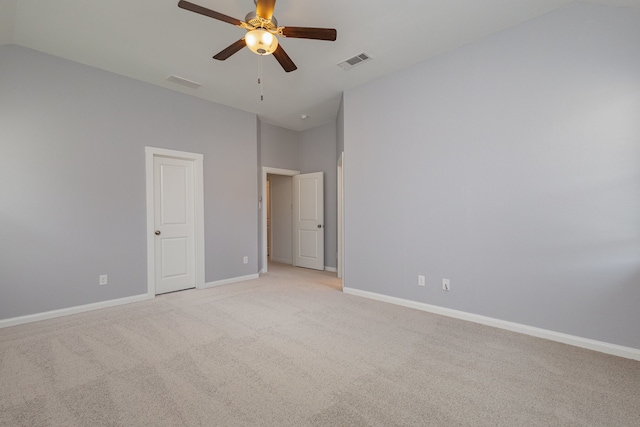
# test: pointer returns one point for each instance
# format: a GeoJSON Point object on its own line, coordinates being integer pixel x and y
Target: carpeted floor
{"type": "Point", "coordinates": [289, 349]}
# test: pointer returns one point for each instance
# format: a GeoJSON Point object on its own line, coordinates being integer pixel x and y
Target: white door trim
{"type": "Point", "coordinates": [197, 159]}
{"type": "Point", "coordinates": [263, 199]}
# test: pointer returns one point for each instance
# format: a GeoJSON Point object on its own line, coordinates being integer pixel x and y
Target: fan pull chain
{"type": "Point", "coordinates": [260, 79]}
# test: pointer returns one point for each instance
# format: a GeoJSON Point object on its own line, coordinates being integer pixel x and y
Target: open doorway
{"type": "Point", "coordinates": [294, 216]}
{"type": "Point", "coordinates": [279, 219]}
{"type": "Point", "coordinates": [277, 177]}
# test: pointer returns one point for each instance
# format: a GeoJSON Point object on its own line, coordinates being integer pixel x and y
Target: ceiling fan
{"type": "Point", "coordinates": [262, 31]}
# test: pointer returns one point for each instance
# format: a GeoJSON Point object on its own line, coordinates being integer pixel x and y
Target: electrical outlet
{"type": "Point", "coordinates": [245, 260]}
{"type": "Point", "coordinates": [102, 280]}
{"type": "Point", "coordinates": [420, 280]}
{"type": "Point", "coordinates": [446, 285]}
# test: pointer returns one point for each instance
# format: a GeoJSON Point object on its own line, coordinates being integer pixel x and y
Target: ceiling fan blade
{"type": "Point", "coordinates": [208, 12]}
{"type": "Point", "coordinates": [227, 52]}
{"type": "Point", "coordinates": [329, 34]}
{"type": "Point", "coordinates": [264, 8]}
{"type": "Point", "coordinates": [284, 60]}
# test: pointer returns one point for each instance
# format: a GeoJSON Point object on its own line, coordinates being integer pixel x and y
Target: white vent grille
{"type": "Point", "coordinates": [184, 82]}
{"type": "Point", "coordinates": [352, 62]}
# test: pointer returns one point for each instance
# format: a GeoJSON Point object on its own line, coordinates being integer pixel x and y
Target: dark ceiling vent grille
{"type": "Point", "coordinates": [352, 62]}
{"type": "Point", "coordinates": [184, 82]}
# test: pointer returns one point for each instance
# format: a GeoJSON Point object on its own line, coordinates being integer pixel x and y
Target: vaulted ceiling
{"type": "Point", "coordinates": [150, 40]}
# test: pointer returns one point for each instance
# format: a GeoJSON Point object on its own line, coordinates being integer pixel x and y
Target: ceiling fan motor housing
{"type": "Point", "coordinates": [258, 22]}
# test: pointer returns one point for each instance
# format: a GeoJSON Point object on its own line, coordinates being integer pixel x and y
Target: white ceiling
{"type": "Point", "coordinates": [150, 40]}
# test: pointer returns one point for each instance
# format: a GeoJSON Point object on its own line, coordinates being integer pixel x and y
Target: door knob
{"type": "Point", "coordinates": [319, 225]}
{"type": "Point", "coordinates": [157, 232]}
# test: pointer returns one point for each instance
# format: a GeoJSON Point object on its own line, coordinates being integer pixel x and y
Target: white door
{"type": "Point", "coordinates": [174, 219]}
{"type": "Point", "coordinates": [308, 220]}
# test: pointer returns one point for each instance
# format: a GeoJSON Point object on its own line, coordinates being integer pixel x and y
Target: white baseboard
{"type": "Point", "coordinates": [229, 281]}
{"type": "Point", "coordinates": [71, 310]}
{"type": "Point", "coordinates": [282, 260]}
{"type": "Point", "coordinates": [331, 269]}
{"type": "Point", "coordinates": [603, 347]}
{"type": "Point", "coordinates": [103, 304]}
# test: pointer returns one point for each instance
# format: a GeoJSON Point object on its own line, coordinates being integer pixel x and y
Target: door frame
{"type": "Point", "coordinates": [197, 159]}
{"type": "Point", "coordinates": [263, 200]}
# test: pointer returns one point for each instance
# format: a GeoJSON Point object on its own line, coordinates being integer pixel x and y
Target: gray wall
{"type": "Point", "coordinates": [279, 147]}
{"type": "Point", "coordinates": [72, 181]}
{"type": "Point", "coordinates": [318, 154]}
{"type": "Point", "coordinates": [7, 20]}
{"type": "Point", "coordinates": [511, 167]}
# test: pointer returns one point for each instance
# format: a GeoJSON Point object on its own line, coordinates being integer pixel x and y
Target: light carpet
{"type": "Point", "coordinates": [289, 349]}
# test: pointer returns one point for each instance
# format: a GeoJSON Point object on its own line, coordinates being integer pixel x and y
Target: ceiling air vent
{"type": "Point", "coordinates": [184, 82]}
{"type": "Point", "coordinates": [352, 62]}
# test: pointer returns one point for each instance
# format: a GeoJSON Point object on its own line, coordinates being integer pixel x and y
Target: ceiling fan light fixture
{"type": "Point", "coordinates": [261, 41]}
{"type": "Point", "coordinates": [262, 31]}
